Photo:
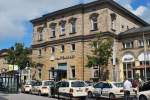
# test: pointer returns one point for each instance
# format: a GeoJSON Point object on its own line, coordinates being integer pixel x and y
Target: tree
{"type": "Point", "coordinates": [19, 55]}
{"type": "Point", "coordinates": [101, 52]}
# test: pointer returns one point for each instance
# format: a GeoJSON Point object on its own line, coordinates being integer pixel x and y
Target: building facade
{"type": "Point", "coordinates": [61, 39]}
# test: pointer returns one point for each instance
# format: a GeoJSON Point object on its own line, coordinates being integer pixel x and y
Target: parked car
{"type": "Point", "coordinates": [144, 91]}
{"type": "Point", "coordinates": [110, 90]}
{"type": "Point", "coordinates": [36, 88]}
{"type": "Point", "coordinates": [28, 86]}
{"type": "Point", "coordinates": [47, 88]}
{"type": "Point", "coordinates": [71, 89]}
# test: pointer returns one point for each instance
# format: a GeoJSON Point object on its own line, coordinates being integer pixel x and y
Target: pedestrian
{"type": "Point", "coordinates": [127, 88]}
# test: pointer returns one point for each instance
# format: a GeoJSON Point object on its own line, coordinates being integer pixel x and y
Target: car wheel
{"type": "Point", "coordinates": [111, 96]}
{"type": "Point", "coordinates": [142, 97]}
{"type": "Point", "coordinates": [90, 95]}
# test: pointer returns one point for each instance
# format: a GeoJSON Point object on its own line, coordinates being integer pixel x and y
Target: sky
{"type": "Point", "coordinates": [15, 16]}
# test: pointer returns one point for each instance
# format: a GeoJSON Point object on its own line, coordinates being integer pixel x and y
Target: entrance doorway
{"type": "Point", "coordinates": [61, 72]}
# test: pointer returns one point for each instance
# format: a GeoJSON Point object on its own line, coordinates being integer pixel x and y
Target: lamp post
{"type": "Point", "coordinates": [145, 57]}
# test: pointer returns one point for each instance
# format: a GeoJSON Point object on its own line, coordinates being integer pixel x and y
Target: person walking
{"type": "Point", "coordinates": [127, 85]}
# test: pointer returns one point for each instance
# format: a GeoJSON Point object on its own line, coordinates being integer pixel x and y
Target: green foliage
{"type": "Point", "coordinates": [18, 55]}
{"type": "Point", "coordinates": [101, 52]}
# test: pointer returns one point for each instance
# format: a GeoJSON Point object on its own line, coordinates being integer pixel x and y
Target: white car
{"type": "Point", "coordinates": [43, 88]}
{"type": "Point", "coordinates": [144, 91]}
{"type": "Point", "coordinates": [72, 88]}
{"type": "Point", "coordinates": [36, 88]}
{"type": "Point", "coordinates": [110, 90]}
{"type": "Point", "coordinates": [28, 86]}
{"type": "Point", "coordinates": [47, 87]}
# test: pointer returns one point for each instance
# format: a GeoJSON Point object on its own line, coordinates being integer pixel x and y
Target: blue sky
{"type": "Point", "coordinates": [14, 19]}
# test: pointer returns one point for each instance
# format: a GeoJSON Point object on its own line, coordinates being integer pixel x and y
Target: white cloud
{"type": "Point", "coordinates": [141, 11]}
{"type": "Point", "coordinates": [14, 13]}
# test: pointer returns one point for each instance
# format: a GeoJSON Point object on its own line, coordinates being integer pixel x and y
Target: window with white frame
{"type": "Point", "coordinates": [73, 47]}
{"type": "Point", "coordinates": [62, 48]}
{"type": "Point", "coordinates": [148, 42]}
{"type": "Point", "coordinates": [128, 44]}
{"type": "Point", "coordinates": [53, 30]}
{"type": "Point", "coordinates": [52, 49]}
{"type": "Point", "coordinates": [73, 27]}
{"type": "Point", "coordinates": [94, 23]}
{"type": "Point", "coordinates": [40, 33]}
{"type": "Point", "coordinates": [73, 72]}
{"type": "Point", "coordinates": [141, 43]}
{"type": "Point", "coordinates": [113, 21]}
{"type": "Point", "coordinates": [62, 29]}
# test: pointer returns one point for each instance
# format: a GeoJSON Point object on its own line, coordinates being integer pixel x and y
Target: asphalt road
{"type": "Point", "coordinates": [21, 96]}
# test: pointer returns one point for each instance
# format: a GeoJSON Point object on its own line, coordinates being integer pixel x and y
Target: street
{"type": "Point", "coordinates": [21, 96]}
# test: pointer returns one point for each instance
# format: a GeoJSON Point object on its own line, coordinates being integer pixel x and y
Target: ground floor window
{"type": "Point", "coordinates": [73, 71]}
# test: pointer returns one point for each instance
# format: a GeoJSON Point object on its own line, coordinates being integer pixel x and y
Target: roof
{"type": "Point", "coordinates": [136, 30]}
{"type": "Point", "coordinates": [97, 2]}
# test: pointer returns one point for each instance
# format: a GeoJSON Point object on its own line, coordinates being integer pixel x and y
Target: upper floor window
{"type": "Point", "coordinates": [141, 43]}
{"type": "Point", "coordinates": [73, 25]}
{"type": "Point", "coordinates": [73, 47]}
{"type": "Point", "coordinates": [128, 44]}
{"type": "Point", "coordinates": [62, 27]}
{"type": "Point", "coordinates": [93, 19]}
{"type": "Point", "coordinates": [113, 21]}
{"type": "Point", "coordinates": [148, 42]}
{"type": "Point", "coordinates": [53, 30]}
{"type": "Point", "coordinates": [52, 49]}
{"type": "Point", "coordinates": [40, 33]}
{"type": "Point", "coordinates": [62, 48]}
{"type": "Point", "coordinates": [40, 52]}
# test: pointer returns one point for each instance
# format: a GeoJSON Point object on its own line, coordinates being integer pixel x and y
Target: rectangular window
{"type": "Point", "coordinates": [62, 48]}
{"type": "Point", "coordinates": [40, 37]}
{"type": "Point", "coordinates": [73, 71]}
{"type": "Point", "coordinates": [128, 45]}
{"type": "Point", "coordinates": [94, 24]}
{"type": "Point", "coordinates": [148, 42]}
{"type": "Point", "coordinates": [73, 27]}
{"type": "Point", "coordinates": [52, 49]}
{"type": "Point", "coordinates": [40, 52]}
{"type": "Point", "coordinates": [62, 29]}
{"type": "Point", "coordinates": [141, 43]}
{"type": "Point", "coordinates": [39, 73]}
{"type": "Point", "coordinates": [53, 30]}
{"type": "Point", "coordinates": [73, 47]}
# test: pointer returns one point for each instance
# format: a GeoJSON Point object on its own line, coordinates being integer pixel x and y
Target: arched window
{"type": "Point", "coordinates": [94, 23]}
{"type": "Point", "coordinates": [62, 27]}
{"type": "Point", "coordinates": [53, 30]}
{"type": "Point", "coordinates": [40, 33]}
{"type": "Point", "coordinates": [72, 22]}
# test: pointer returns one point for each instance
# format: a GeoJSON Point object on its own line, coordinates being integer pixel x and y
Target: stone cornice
{"type": "Point", "coordinates": [70, 39]}
{"type": "Point", "coordinates": [84, 6]}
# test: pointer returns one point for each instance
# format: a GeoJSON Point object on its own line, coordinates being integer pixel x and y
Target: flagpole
{"type": "Point", "coordinates": [145, 53]}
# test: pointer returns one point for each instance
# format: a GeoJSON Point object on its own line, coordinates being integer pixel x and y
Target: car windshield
{"type": "Point", "coordinates": [118, 84]}
{"type": "Point", "coordinates": [77, 84]}
{"type": "Point", "coordinates": [48, 83]}
{"type": "Point", "coordinates": [30, 82]}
